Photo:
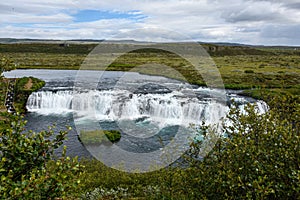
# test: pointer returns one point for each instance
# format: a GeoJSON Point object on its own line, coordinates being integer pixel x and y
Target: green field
{"type": "Point", "coordinates": [275, 69]}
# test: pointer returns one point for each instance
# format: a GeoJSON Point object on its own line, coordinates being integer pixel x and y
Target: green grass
{"type": "Point", "coordinates": [240, 67]}
{"type": "Point", "coordinates": [97, 137]}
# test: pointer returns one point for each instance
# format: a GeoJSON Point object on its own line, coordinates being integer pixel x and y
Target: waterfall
{"type": "Point", "coordinates": [172, 108]}
{"type": "Point", "coordinates": [49, 102]}
{"type": "Point", "coordinates": [116, 105]}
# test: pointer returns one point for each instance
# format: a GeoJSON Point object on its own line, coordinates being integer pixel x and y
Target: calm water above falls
{"type": "Point", "coordinates": [149, 110]}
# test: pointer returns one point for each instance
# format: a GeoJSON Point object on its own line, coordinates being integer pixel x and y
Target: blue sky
{"type": "Point", "coordinates": [95, 15]}
{"type": "Point", "coordinates": [270, 22]}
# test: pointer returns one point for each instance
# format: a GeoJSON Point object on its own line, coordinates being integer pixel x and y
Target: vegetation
{"type": "Point", "coordinates": [23, 87]}
{"type": "Point", "coordinates": [259, 159]}
{"type": "Point", "coordinates": [5, 65]}
{"type": "Point", "coordinates": [240, 67]}
{"type": "Point", "coordinates": [97, 137]}
{"type": "Point", "coordinates": [46, 48]}
{"type": "Point", "coordinates": [28, 169]}
{"type": "Point", "coordinates": [249, 71]}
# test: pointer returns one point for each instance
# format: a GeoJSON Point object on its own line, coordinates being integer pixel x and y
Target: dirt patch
{"type": "Point", "coordinates": [28, 85]}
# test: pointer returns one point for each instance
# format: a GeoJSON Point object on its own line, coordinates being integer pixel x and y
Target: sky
{"type": "Point", "coordinates": [256, 22]}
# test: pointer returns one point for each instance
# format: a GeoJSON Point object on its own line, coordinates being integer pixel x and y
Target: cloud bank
{"type": "Point", "coordinates": [268, 22]}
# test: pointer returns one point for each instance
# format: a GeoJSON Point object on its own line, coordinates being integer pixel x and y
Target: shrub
{"type": "Point", "coordinates": [249, 71]}
{"type": "Point", "coordinates": [259, 158]}
{"type": "Point", "coordinates": [28, 169]}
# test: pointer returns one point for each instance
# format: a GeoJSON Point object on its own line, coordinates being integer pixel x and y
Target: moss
{"type": "Point", "coordinates": [99, 136]}
{"type": "Point", "coordinates": [112, 135]}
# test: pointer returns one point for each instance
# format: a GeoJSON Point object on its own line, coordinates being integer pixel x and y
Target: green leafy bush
{"type": "Point", "coordinates": [28, 169]}
{"type": "Point", "coordinates": [259, 158]}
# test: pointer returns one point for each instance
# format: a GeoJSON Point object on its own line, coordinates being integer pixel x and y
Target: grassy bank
{"type": "Point", "coordinates": [23, 87]}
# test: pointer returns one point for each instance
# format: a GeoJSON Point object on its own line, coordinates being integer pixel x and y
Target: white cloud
{"type": "Point", "coordinates": [245, 21]}
{"type": "Point", "coordinates": [29, 19]}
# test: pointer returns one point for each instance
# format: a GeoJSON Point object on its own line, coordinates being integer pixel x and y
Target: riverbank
{"type": "Point", "coordinates": [14, 95]}
{"type": "Point", "coordinates": [21, 89]}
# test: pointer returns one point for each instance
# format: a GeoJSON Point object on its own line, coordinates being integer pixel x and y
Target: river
{"type": "Point", "coordinates": [148, 110]}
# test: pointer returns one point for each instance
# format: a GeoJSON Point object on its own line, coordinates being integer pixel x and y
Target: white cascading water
{"type": "Point", "coordinates": [48, 102]}
{"type": "Point", "coordinates": [172, 108]}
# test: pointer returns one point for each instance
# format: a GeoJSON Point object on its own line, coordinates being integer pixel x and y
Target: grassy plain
{"type": "Point", "coordinates": [275, 69]}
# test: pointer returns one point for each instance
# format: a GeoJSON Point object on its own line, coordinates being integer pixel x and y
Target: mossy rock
{"type": "Point", "coordinates": [99, 136]}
